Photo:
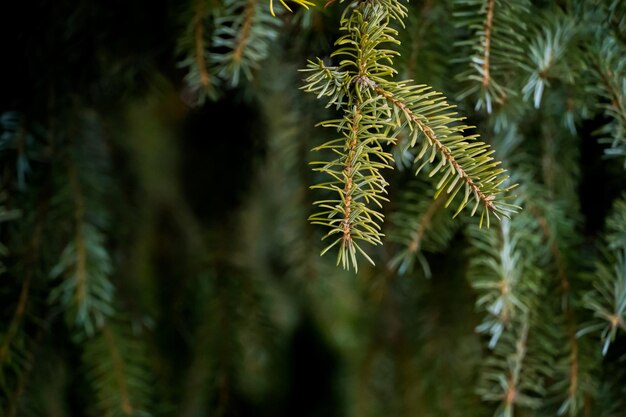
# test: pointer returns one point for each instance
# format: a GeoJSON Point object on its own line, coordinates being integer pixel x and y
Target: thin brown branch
{"type": "Point", "coordinates": [205, 79]}
{"type": "Point", "coordinates": [424, 224]}
{"type": "Point", "coordinates": [511, 393]}
{"type": "Point", "coordinates": [434, 141]}
{"type": "Point", "coordinates": [24, 292]}
{"type": "Point", "coordinates": [79, 238]}
{"type": "Point", "coordinates": [554, 248]}
{"type": "Point", "coordinates": [349, 173]}
{"type": "Point", "coordinates": [614, 94]}
{"type": "Point", "coordinates": [118, 369]}
{"type": "Point", "coordinates": [244, 36]}
{"type": "Point", "coordinates": [566, 288]}
{"type": "Point", "coordinates": [487, 43]}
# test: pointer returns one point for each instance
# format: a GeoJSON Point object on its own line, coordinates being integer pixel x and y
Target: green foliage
{"type": "Point", "coordinates": [420, 225]}
{"type": "Point", "coordinates": [504, 273]}
{"type": "Point", "coordinates": [18, 142]}
{"type": "Point", "coordinates": [85, 291]}
{"type": "Point", "coordinates": [226, 44]}
{"type": "Point", "coordinates": [607, 300]}
{"type": "Point", "coordinates": [376, 109]}
{"type": "Point", "coordinates": [546, 53]}
{"type": "Point", "coordinates": [246, 30]}
{"type": "Point", "coordinates": [607, 63]}
{"type": "Point", "coordinates": [155, 253]}
{"type": "Point", "coordinates": [494, 49]}
{"type": "Point", "coordinates": [115, 364]}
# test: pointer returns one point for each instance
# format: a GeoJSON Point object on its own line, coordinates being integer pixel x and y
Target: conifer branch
{"type": "Point", "coordinates": [420, 224]}
{"type": "Point", "coordinates": [609, 67]}
{"type": "Point", "coordinates": [481, 179]}
{"type": "Point", "coordinates": [243, 34]}
{"type": "Point", "coordinates": [118, 369]}
{"type": "Point", "coordinates": [385, 108]}
{"type": "Point", "coordinates": [424, 224]}
{"type": "Point", "coordinates": [205, 78]}
{"type": "Point", "coordinates": [20, 309]}
{"type": "Point", "coordinates": [85, 292]}
{"type": "Point", "coordinates": [509, 377]}
{"type": "Point", "coordinates": [486, 75]}
{"type": "Point", "coordinates": [546, 53]}
{"type": "Point", "coordinates": [493, 51]}
{"type": "Point", "coordinates": [194, 47]}
{"type": "Point", "coordinates": [115, 364]}
{"type": "Point", "coordinates": [607, 299]}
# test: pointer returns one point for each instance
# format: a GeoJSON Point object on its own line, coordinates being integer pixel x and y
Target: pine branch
{"type": "Point", "coordinates": [83, 289]}
{"type": "Point", "coordinates": [419, 224]}
{"type": "Point", "coordinates": [85, 292]}
{"type": "Point", "coordinates": [504, 273]}
{"type": "Point", "coordinates": [115, 365]}
{"type": "Point", "coordinates": [193, 45]}
{"type": "Point", "coordinates": [508, 378]}
{"type": "Point", "coordinates": [465, 163]}
{"type": "Point", "coordinates": [19, 146]}
{"type": "Point", "coordinates": [607, 299]}
{"type": "Point", "coordinates": [199, 36]}
{"type": "Point", "coordinates": [376, 111]}
{"type": "Point", "coordinates": [608, 65]}
{"type": "Point", "coordinates": [245, 30]}
{"type": "Point", "coordinates": [548, 48]}
{"type": "Point", "coordinates": [497, 28]}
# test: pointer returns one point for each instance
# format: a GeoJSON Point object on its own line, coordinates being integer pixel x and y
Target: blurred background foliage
{"type": "Point", "coordinates": [155, 253]}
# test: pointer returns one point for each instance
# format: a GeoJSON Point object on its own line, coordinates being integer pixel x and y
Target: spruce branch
{"type": "Point", "coordinates": [497, 28]}
{"type": "Point", "coordinates": [420, 224]}
{"type": "Point", "coordinates": [512, 376]}
{"type": "Point", "coordinates": [85, 291]}
{"type": "Point", "coordinates": [548, 47]}
{"type": "Point", "coordinates": [464, 163]}
{"type": "Point", "coordinates": [199, 38]}
{"type": "Point", "coordinates": [193, 46]}
{"type": "Point", "coordinates": [607, 299]}
{"type": "Point", "coordinates": [243, 34]}
{"type": "Point", "coordinates": [497, 273]}
{"type": "Point", "coordinates": [82, 272]}
{"type": "Point", "coordinates": [608, 65]}
{"type": "Point", "coordinates": [115, 365]}
{"type": "Point", "coordinates": [19, 145]}
{"type": "Point", "coordinates": [376, 111]}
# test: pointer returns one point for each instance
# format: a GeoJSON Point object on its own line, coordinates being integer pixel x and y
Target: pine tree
{"type": "Point", "coordinates": [170, 173]}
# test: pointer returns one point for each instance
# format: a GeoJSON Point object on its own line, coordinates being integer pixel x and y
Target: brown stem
{"type": "Point", "coordinates": [514, 375]}
{"type": "Point", "coordinates": [118, 369]}
{"type": "Point", "coordinates": [23, 297]}
{"type": "Point", "coordinates": [205, 80]}
{"type": "Point", "coordinates": [487, 45]}
{"type": "Point", "coordinates": [349, 171]}
{"type": "Point", "coordinates": [616, 98]}
{"type": "Point", "coordinates": [244, 37]}
{"type": "Point", "coordinates": [424, 224]}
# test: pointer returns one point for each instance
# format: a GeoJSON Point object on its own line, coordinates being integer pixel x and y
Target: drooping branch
{"type": "Point", "coordinates": [486, 79]}
{"type": "Point", "coordinates": [244, 36]}
{"type": "Point", "coordinates": [434, 141]}
{"type": "Point", "coordinates": [205, 78]}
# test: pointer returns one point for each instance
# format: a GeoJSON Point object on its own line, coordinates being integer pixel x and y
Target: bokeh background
{"type": "Point", "coordinates": [208, 294]}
